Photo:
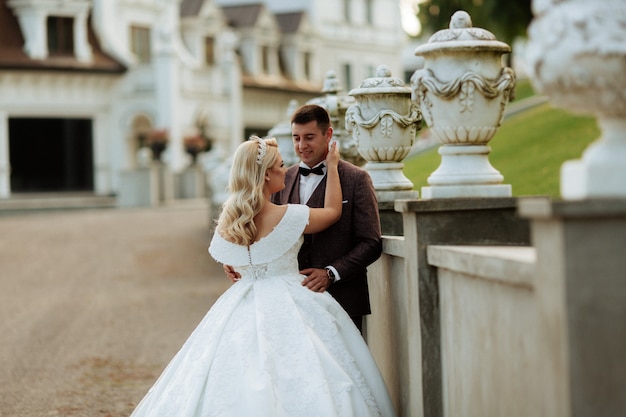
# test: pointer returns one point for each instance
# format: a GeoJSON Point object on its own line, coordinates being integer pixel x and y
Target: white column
{"type": "Point", "coordinates": [101, 156]}
{"type": "Point", "coordinates": [5, 165]}
{"type": "Point", "coordinates": [232, 75]}
{"type": "Point", "coordinates": [33, 25]}
{"type": "Point", "coordinates": [83, 50]}
{"type": "Point", "coordinates": [110, 30]}
{"type": "Point", "coordinates": [165, 66]}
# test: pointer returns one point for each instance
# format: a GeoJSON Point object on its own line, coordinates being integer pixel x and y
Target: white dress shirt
{"type": "Point", "coordinates": [308, 184]}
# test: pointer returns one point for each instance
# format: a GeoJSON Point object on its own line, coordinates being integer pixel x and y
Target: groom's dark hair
{"type": "Point", "coordinates": [309, 113]}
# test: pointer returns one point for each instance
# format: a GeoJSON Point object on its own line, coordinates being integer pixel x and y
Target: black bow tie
{"type": "Point", "coordinates": [317, 170]}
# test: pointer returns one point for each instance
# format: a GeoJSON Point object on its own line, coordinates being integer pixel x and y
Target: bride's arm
{"type": "Point", "coordinates": [322, 218]}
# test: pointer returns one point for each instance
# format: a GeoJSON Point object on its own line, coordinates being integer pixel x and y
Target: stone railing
{"type": "Point", "coordinates": [405, 330]}
{"type": "Point", "coordinates": [503, 306]}
{"type": "Point", "coordinates": [484, 304]}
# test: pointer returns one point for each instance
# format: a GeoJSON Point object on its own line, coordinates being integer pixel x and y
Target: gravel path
{"type": "Point", "coordinates": [93, 305]}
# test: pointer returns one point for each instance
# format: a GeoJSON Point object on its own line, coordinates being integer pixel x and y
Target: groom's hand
{"type": "Point", "coordinates": [316, 279]}
{"type": "Point", "coordinates": [231, 274]}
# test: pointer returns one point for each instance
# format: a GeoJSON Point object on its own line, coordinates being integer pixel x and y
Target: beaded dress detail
{"type": "Point", "coordinates": [270, 347]}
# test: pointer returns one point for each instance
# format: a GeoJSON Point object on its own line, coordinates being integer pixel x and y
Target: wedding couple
{"type": "Point", "coordinates": [277, 343]}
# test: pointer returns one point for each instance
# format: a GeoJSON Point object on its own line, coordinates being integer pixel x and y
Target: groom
{"type": "Point", "coordinates": [337, 258]}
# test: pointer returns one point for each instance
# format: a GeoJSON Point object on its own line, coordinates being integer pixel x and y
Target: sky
{"type": "Point", "coordinates": [410, 22]}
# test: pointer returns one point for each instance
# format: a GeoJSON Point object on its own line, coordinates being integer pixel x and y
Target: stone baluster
{"type": "Point", "coordinates": [384, 123]}
{"type": "Point", "coordinates": [575, 56]}
{"type": "Point", "coordinates": [462, 92]}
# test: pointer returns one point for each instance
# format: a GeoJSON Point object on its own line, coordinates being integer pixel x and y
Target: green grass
{"type": "Point", "coordinates": [528, 150]}
{"type": "Point", "coordinates": [523, 89]}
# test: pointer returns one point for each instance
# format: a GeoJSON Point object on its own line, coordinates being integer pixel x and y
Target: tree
{"type": "Point", "coordinates": [506, 19]}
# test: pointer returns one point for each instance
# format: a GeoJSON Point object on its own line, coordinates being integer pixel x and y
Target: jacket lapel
{"type": "Point", "coordinates": [317, 198]}
{"type": "Point", "coordinates": [292, 186]}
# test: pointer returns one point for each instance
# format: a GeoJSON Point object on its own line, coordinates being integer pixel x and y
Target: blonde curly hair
{"type": "Point", "coordinates": [245, 185]}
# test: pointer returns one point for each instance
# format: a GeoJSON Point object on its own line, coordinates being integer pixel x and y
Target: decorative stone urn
{"type": "Point", "coordinates": [576, 55]}
{"type": "Point", "coordinates": [384, 123]}
{"type": "Point", "coordinates": [462, 92]}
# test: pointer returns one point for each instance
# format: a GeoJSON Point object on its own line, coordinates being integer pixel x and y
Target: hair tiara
{"type": "Point", "coordinates": [261, 151]}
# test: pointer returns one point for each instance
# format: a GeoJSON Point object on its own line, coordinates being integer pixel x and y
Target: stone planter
{"type": "Point", "coordinates": [462, 92]}
{"type": "Point", "coordinates": [384, 123]}
{"type": "Point", "coordinates": [575, 56]}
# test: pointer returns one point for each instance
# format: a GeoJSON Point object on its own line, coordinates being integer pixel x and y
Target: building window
{"type": "Point", "coordinates": [347, 76]}
{"type": "Point", "coordinates": [307, 65]}
{"type": "Point", "coordinates": [347, 15]}
{"type": "Point", "coordinates": [282, 64]}
{"type": "Point", "coordinates": [241, 60]}
{"type": "Point", "coordinates": [60, 35]}
{"type": "Point", "coordinates": [209, 50]}
{"type": "Point", "coordinates": [140, 43]}
{"type": "Point", "coordinates": [265, 59]}
{"type": "Point", "coordinates": [369, 13]}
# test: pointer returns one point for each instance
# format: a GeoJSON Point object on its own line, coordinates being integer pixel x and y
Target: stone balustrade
{"type": "Point", "coordinates": [503, 306]}
{"type": "Point", "coordinates": [487, 305]}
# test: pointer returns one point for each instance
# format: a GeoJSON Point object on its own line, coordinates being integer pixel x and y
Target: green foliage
{"type": "Point", "coordinates": [528, 150]}
{"type": "Point", "coordinates": [506, 19]}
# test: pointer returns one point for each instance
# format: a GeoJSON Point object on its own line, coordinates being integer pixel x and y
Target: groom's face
{"type": "Point", "coordinates": [310, 142]}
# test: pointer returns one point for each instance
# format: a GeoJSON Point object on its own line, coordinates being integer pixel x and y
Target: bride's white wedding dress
{"type": "Point", "coordinates": [270, 347]}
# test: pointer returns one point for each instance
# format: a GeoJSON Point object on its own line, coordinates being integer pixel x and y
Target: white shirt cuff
{"type": "Point", "coordinates": [337, 277]}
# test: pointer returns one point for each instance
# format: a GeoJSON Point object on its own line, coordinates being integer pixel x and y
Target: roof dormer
{"type": "Point", "coordinates": [260, 38]}
{"type": "Point", "coordinates": [54, 27]}
{"type": "Point", "coordinates": [203, 26]}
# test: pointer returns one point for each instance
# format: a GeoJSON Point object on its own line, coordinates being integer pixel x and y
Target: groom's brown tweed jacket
{"type": "Point", "coordinates": [351, 244]}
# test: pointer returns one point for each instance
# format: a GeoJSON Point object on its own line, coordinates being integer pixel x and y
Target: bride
{"type": "Point", "coordinates": [270, 347]}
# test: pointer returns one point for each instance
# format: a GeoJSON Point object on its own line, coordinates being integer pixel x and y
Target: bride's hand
{"type": "Point", "coordinates": [332, 159]}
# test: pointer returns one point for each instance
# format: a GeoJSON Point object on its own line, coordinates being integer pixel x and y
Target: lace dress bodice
{"type": "Point", "coordinates": [274, 255]}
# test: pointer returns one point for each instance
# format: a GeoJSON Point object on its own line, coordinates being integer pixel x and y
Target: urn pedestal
{"type": "Point", "coordinates": [462, 92]}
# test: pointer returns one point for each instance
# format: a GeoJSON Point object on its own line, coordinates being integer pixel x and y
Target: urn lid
{"type": "Point", "coordinates": [383, 83]}
{"type": "Point", "coordinates": [461, 36]}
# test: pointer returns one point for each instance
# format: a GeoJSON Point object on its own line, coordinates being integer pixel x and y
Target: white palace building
{"type": "Point", "coordinates": [84, 83]}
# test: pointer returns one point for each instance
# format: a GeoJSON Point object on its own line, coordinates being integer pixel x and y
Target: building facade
{"type": "Point", "coordinates": [86, 84]}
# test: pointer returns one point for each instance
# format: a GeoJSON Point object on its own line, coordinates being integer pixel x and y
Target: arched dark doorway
{"type": "Point", "coordinates": [50, 154]}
